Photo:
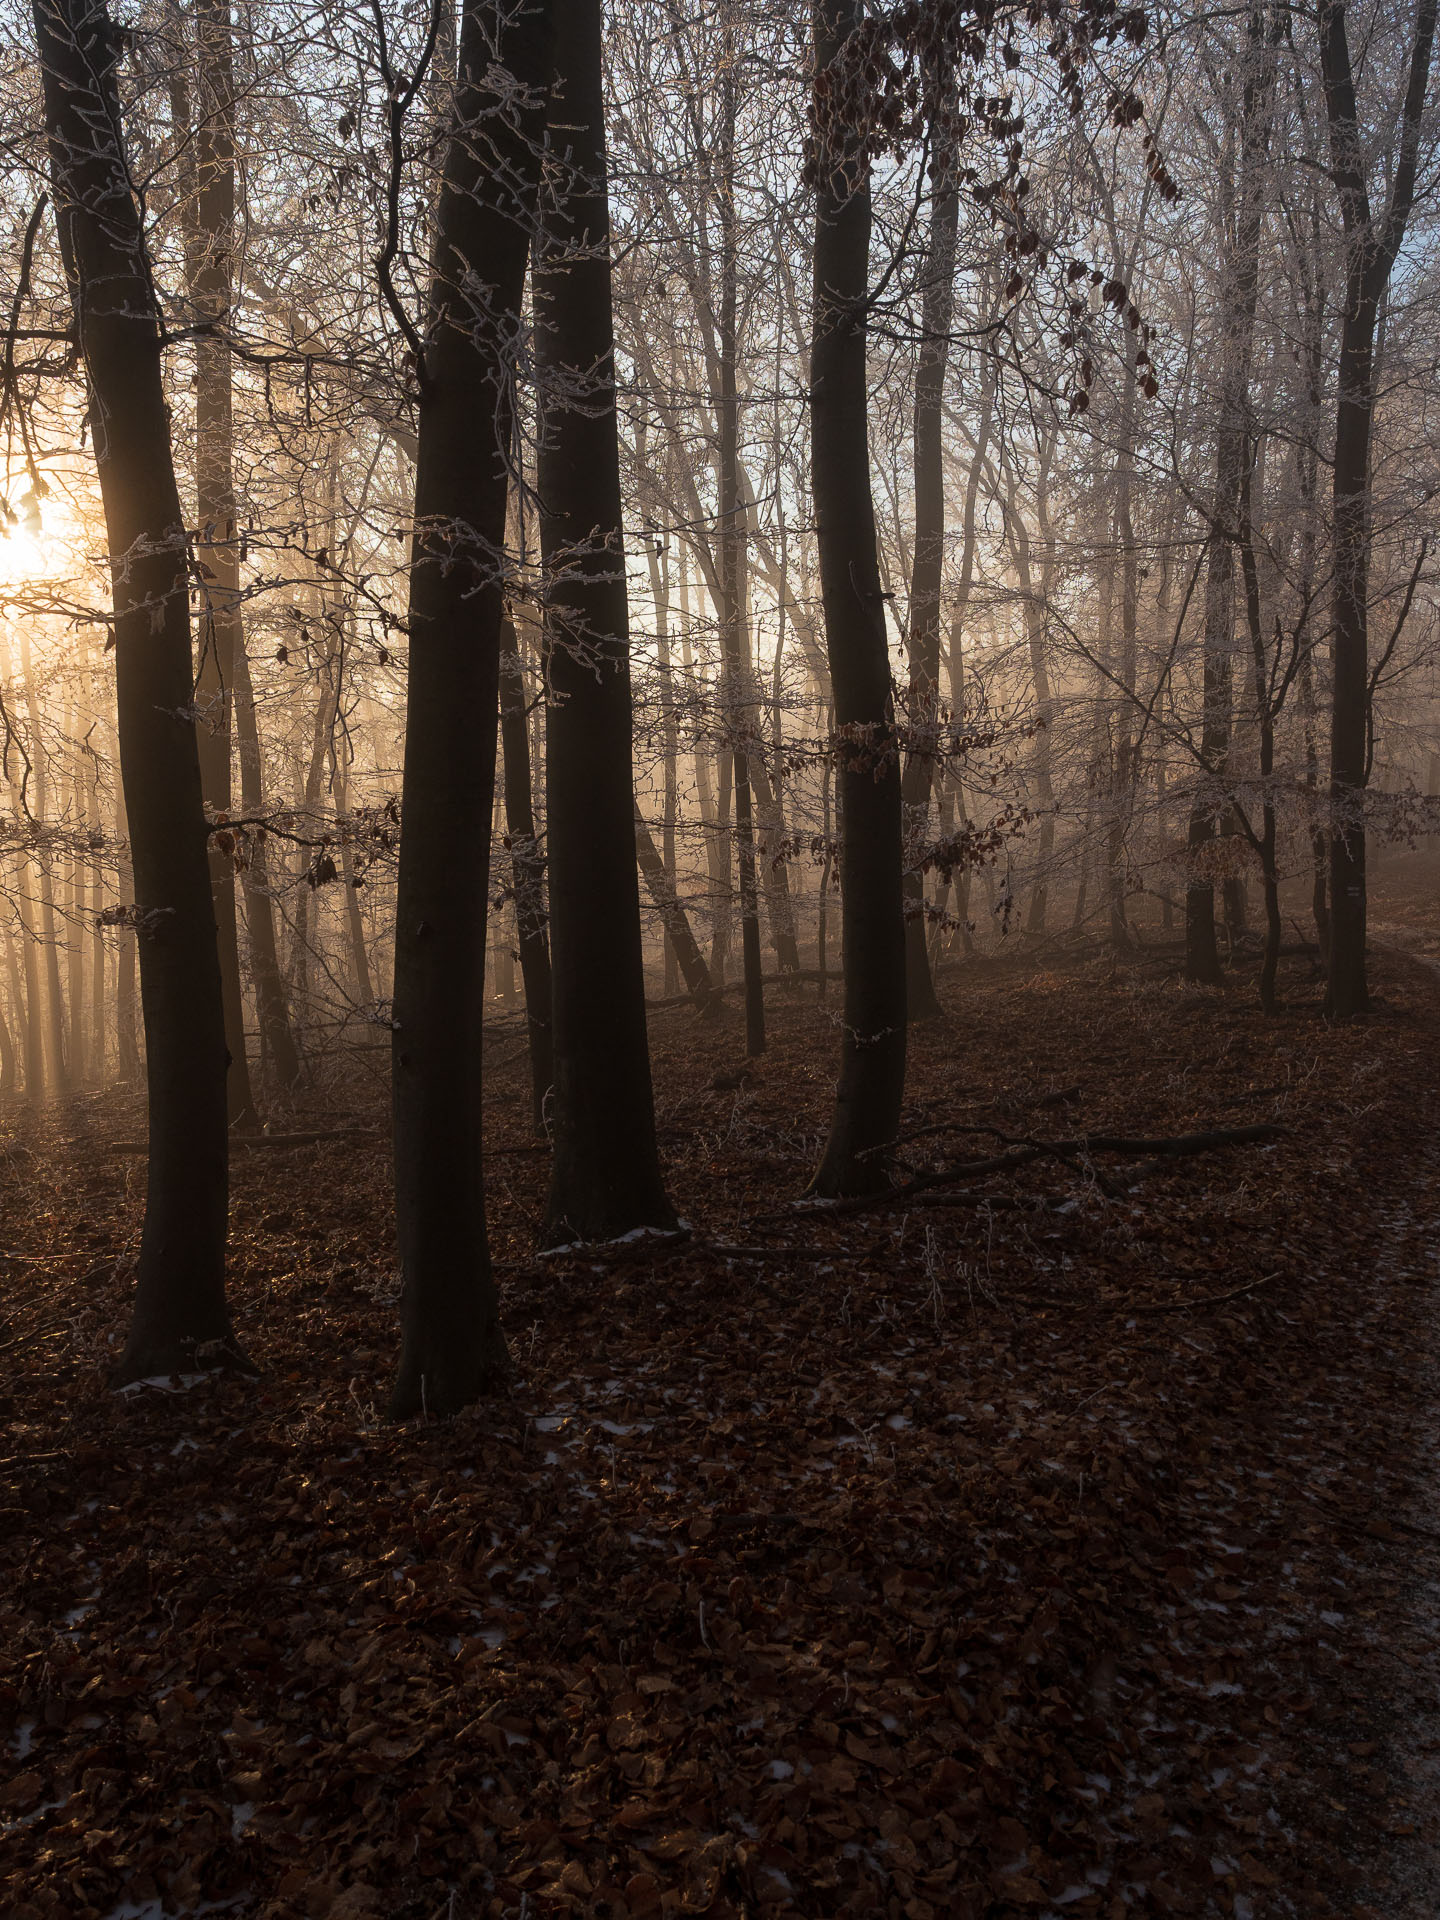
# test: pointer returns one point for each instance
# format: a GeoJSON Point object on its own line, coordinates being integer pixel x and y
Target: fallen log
{"type": "Point", "coordinates": [250, 1142]}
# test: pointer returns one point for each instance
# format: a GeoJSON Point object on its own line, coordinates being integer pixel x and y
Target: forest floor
{"type": "Point", "coordinates": [1067, 1547]}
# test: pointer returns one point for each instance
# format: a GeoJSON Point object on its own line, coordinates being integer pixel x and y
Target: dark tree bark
{"type": "Point", "coordinates": [1123, 761]}
{"type": "Point", "coordinates": [210, 273]}
{"type": "Point", "coordinates": [605, 1179]}
{"type": "Point", "coordinates": [658, 559]}
{"type": "Point", "coordinates": [1371, 245]}
{"type": "Point", "coordinates": [277, 1036]}
{"type": "Point", "coordinates": [1239, 294]}
{"type": "Point", "coordinates": [918, 781]}
{"type": "Point", "coordinates": [734, 634]}
{"type": "Point", "coordinates": [453, 1348]}
{"type": "Point", "coordinates": [527, 875]}
{"type": "Point", "coordinates": [952, 791]}
{"type": "Point", "coordinates": [180, 1318]}
{"type": "Point", "coordinates": [1036, 594]}
{"type": "Point", "coordinates": [866, 1114]}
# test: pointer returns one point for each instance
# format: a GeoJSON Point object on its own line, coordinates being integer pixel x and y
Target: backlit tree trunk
{"type": "Point", "coordinates": [924, 636]}
{"type": "Point", "coordinates": [180, 1318]}
{"type": "Point", "coordinates": [453, 1348]}
{"type": "Point", "coordinates": [1371, 245]}
{"type": "Point", "coordinates": [605, 1178]}
{"type": "Point", "coordinates": [210, 266]}
{"type": "Point", "coordinates": [527, 876]}
{"type": "Point", "coordinates": [866, 1114]}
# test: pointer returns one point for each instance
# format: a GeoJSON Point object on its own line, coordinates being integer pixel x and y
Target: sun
{"type": "Point", "coordinates": [22, 555]}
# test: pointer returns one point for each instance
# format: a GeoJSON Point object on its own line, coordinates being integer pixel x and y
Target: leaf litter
{"type": "Point", "coordinates": [1051, 1553]}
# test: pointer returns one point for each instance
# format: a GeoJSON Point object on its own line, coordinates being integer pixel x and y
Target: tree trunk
{"type": "Point", "coordinates": [605, 1179]}
{"type": "Point", "coordinates": [1245, 197]}
{"type": "Point", "coordinates": [180, 1318]}
{"type": "Point", "coordinates": [1123, 774]}
{"type": "Point", "coordinates": [866, 1114]}
{"type": "Point", "coordinates": [527, 876]}
{"type": "Point", "coordinates": [210, 272]}
{"type": "Point", "coordinates": [352, 882]}
{"type": "Point", "coordinates": [698, 983]}
{"type": "Point", "coordinates": [453, 1348]}
{"type": "Point", "coordinates": [276, 1034]}
{"type": "Point", "coordinates": [924, 637]}
{"type": "Point", "coordinates": [1371, 248]}
{"type": "Point", "coordinates": [18, 1029]}
{"type": "Point", "coordinates": [734, 632]}
{"type": "Point", "coordinates": [670, 734]}
{"type": "Point", "coordinates": [952, 791]}
{"type": "Point", "coordinates": [54, 1000]}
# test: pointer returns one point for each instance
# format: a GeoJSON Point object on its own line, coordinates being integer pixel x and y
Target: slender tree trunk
{"type": "Point", "coordinates": [1308, 469]}
{"type": "Point", "coordinates": [210, 264]}
{"type": "Point", "coordinates": [1123, 768]}
{"type": "Point", "coordinates": [1265, 721]}
{"type": "Point", "coordinates": [96, 931]}
{"type": "Point", "coordinates": [16, 1070]}
{"type": "Point", "coordinates": [180, 1318]}
{"type": "Point", "coordinates": [952, 790]}
{"type": "Point", "coordinates": [827, 865]}
{"type": "Point", "coordinates": [49, 932]}
{"type": "Point", "coordinates": [924, 637]}
{"type": "Point", "coordinates": [716, 866]}
{"type": "Point", "coordinates": [1036, 595]}
{"type": "Point", "coordinates": [1245, 196]}
{"type": "Point", "coordinates": [866, 1115]}
{"type": "Point", "coordinates": [670, 735]}
{"type": "Point", "coordinates": [734, 633]}
{"type": "Point", "coordinates": [77, 1037]}
{"type": "Point", "coordinates": [527, 871]}
{"type": "Point", "coordinates": [453, 1348]}
{"type": "Point", "coordinates": [1371, 249]}
{"type": "Point", "coordinates": [129, 1065]}
{"type": "Point", "coordinates": [354, 919]}
{"type": "Point", "coordinates": [698, 983]}
{"type": "Point", "coordinates": [276, 1034]}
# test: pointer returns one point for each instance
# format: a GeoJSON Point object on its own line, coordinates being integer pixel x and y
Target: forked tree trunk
{"type": "Point", "coordinates": [866, 1114]}
{"type": "Point", "coordinates": [453, 1348]}
{"type": "Point", "coordinates": [180, 1318]}
{"type": "Point", "coordinates": [605, 1179]}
